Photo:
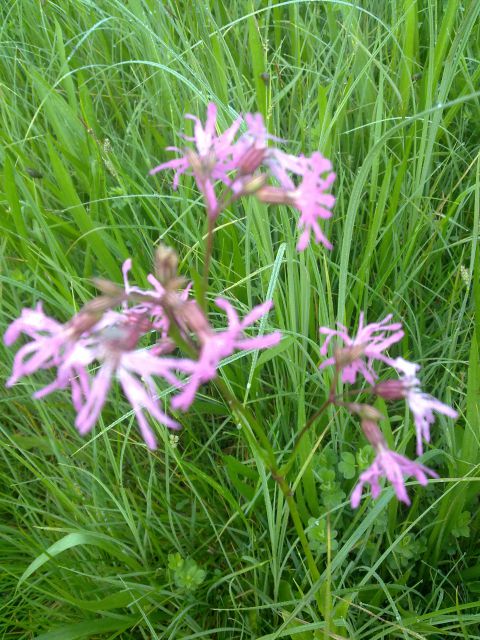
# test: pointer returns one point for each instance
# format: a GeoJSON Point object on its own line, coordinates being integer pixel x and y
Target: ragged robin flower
{"type": "Point", "coordinates": [387, 464]}
{"type": "Point", "coordinates": [360, 352]}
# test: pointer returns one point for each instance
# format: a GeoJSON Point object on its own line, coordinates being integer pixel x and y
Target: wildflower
{"type": "Point", "coordinates": [72, 347]}
{"type": "Point", "coordinates": [371, 341]}
{"type": "Point", "coordinates": [365, 411]}
{"type": "Point", "coordinates": [218, 345]}
{"type": "Point", "coordinates": [394, 467]}
{"type": "Point", "coordinates": [421, 404]}
{"type": "Point", "coordinates": [309, 197]}
{"type": "Point", "coordinates": [153, 304]}
{"type": "Point", "coordinates": [50, 340]}
{"type": "Point", "coordinates": [114, 348]}
{"type": "Point", "coordinates": [212, 160]}
{"type": "Point", "coordinates": [250, 150]}
{"type": "Point", "coordinates": [387, 464]}
{"type": "Point", "coordinates": [98, 334]}
{"type": "Point", "coordinates": [221, 158]}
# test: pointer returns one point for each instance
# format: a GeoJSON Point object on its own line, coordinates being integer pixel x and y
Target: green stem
{"type": "Point", "coordinates": [212, 215]}
{"type": "Point", "coordinates": [175, 333]}
{"type": "Point", "coordinates": [208, 260]}
{"type": "Point", "coordinates": [246, 416]}
{"type": "Point", "coordinates": [265, 449]}
{"type": "Point", "coordinates": [268, 456]}
{"type": "Point", "coordinates": [208, 251]}
{"type": "Point", "coordinates": [330, 400]}
{"type": "Point", "coordinates": [292, 506]}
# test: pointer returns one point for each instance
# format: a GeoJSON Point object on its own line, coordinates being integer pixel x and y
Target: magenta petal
{"type": "Point", "coordinates": [232, 315]}
{"type": "Point", "coordinates": [259, 342]}
{"type": "Point", "coordinates": [177, 163]}
{"type": "Point", "coordinates": [370, 341]}
{"type": "Point", "coordinates": [303, 241]}
{"type": "Point", "coordinates": [141, 400]}
{"type": "Point", "coordinates": [395, 468]}
{"type": "Point", "coordinates": [185, 398]}
{"type": "Point", "coordinates": [256, 313]}
{"type": "Point", "coordinates": [356, 495]}
{"type": "Point", "coordinates": [90, 411]}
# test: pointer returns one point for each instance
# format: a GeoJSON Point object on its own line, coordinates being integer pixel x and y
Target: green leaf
{"type": "Point", "coordinates": [89, 628]}
{"type": "Point", "coordinates": [175, 561]}
{"type": "Point", "coordinates": [236, 470]}
{"type": "Point", "coordinates": [347, 466]}
{"type": "Point", "coordinates": [72, 540]}
{"type": "Point", "coordinates": [462, 529]}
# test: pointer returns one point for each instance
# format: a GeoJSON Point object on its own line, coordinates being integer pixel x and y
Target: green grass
{"type": "Point", "coordinates": [90, 94]}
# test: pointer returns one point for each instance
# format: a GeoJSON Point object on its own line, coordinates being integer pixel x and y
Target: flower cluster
{"type": "Point", "coordinates": [357, 356]}
{"type": "Point", "coordinates": [106, 340]}
{"type": "Point", "coordinates": [245, 165]}
{"type": "Point", "coordinates": [111, 339]}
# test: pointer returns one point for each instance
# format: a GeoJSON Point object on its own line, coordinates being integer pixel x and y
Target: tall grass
{"type": "Point", "coordinates": [91, 93]}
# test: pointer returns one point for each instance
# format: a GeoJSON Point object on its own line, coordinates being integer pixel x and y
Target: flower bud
{"type": "Point", "coordinates": [89, 315]}
{"type": "Point", "coordinates": [273, 195]}
{"type": "Point", "coordinates": [373, 433]}
{"type": "Point", "coordinates": [166, 264]}
{"type": "Point", "coordinates": [365, 411]}
{"type": "Point", "coordinates": [191, 316]}
{"type": "Point", "coordinates": [253, 184]}
{"type": "Point", "coordinates": [251, 160]}
{"type": "Point", "coordinates": [390, 389]}
{"type": "Point", "coordinates": [108, 288]}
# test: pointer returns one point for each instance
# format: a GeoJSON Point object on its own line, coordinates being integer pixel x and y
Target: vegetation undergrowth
{"type": "Point", "coordinates": [100, 538]}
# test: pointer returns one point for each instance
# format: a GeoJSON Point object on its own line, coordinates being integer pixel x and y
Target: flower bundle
{"type": "Point", "coordinates": [162, 334]}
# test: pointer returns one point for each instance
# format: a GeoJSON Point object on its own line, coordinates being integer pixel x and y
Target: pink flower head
{"type": "Point", "coordinates": [112, 343]}
{"type": "Point", "coordinates": [114, 347]}
{"type": "Point", "coordinates": [421, 404]}
{"type": "Point", "coordinates": [371, 341]}
{"type": "Point", "coordinates": [312, 201]}
{"type": "Point", "coordinates": [251, 147]}
{"type": "Point", "coordinates": [309, 197]}
{"type": "Point", "coordinates": [394, 467]}
{"type": "Point", "coordinates": [219, 345]}
{"type": "Point", "coordinates": [151, 308]}
{"type": "Point", "coordinates": [249, 153]}
{"type": "Point", "coordinates": [214, 157]}
{"type": "Point", "coordinates": [72, 347]}
{"type": "Point", "coordinates": [221, 158]}
{"type": "Point", "coordinates": [150, 312]}
{"type": "Point", "coordinates": [49, 342]}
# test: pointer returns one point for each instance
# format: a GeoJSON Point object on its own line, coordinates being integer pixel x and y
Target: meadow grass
{"type": "Point", "coordinates": [91, 93]}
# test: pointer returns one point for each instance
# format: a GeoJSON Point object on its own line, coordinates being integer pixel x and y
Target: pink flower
{"type": "Point", "coordinates": [110, 341]}
{"type": "Point", "coordinates": [371, 341]}
{"type": "Point", "coordinates": [212, 160]}
{"type": "Point", "coordinates": [114, 348]}
{"type": "Point", "coordinates": [394, 467]}
{"type": "Point", "coordinates": [309, 197]}
{"type": "Point", "coordinates": [421, 404]}
{"type": "Point", "coordinates": [49, 342]}
{"type": "Point", "coordinates": [251, 149]}
{"type": "Point", "coordinates": [219, 345]}
{"type": "Point", "coordinates": [219, 158]}
{"type": "Point", "coordinates": [312, 201]}
{"type": "Point", "coordinates": [151, 308]}
{"type": "Point", "coordinates": [151, 312]}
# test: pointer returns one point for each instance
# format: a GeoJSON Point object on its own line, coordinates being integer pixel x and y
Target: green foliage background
{"type": "Point", "coordinates": [99, 538]}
